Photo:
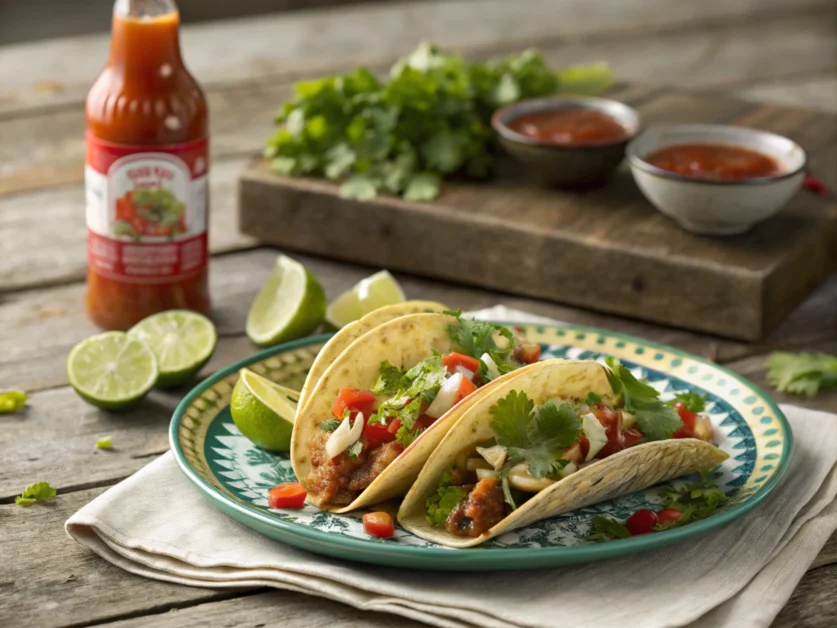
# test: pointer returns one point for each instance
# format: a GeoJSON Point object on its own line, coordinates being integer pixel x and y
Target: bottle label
{"type": "Point", "coordinates": [146, 210]}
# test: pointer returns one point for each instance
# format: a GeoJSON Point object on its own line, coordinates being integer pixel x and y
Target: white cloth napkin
{"type": "Point", "coordinates": [158, 525]}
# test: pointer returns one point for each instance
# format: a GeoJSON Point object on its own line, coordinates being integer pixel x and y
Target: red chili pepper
{"type": "Point", "coordinates": [815, 185]}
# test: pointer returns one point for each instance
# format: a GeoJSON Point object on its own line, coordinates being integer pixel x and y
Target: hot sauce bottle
{"type": "Point", "coordinates": [146, 173]}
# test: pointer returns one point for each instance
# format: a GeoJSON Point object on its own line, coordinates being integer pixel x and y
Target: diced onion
{"type": "Point", "coordinates": [520, 479]}
{"type": "Point", "coordinates": [344, 437]}
{"type": "Point", "coordinates": [446, 397]}
{"type": "Point", "coordinates": [486, 474]}
{"type": "Point", "coordinates": [491, 366]}
{"type": "Point", "coordinates": [596, 434]}
{"type": "Point", "coordinates": [466, 373]}
{"type": "Point", "coordinates": [568, 469]}
{"type": "Point", "coordinates": [495, 456]}
{"type": "Point", "coordinates": [472, 464]}
{"type": "Point", "coordinates": [628, 420]}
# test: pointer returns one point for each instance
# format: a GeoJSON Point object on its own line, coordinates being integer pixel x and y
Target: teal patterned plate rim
{"type": "Point", "coordinates": [234, 475]}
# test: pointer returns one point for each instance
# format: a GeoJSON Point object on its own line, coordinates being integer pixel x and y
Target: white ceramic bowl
{"type": "Point", "coordinates": [717, 207]}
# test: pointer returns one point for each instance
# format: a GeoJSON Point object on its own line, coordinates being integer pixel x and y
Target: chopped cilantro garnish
{"type": "Point", "coordinates": [12, 401]}
{"type": "Point", "coordinates": [416, 386]}
{"type": "Point", "coordinates": [802, 373]}
{"type": "Point", "coordinates": [40, 491]}
{"type": "Point", "coordinates": [536, 436]}
{"type": "Point", "coordinates": [355, 449]}
{"type": "Point", "coordinates": [445, 499]}
{"type": "Point", "coordinates": [388, 380]}
{"type": "Point", "coordinates": [607, 529]}
{"type": "Point", "coordinates": [104, 443]}
{"type": "Point", "coordinates": [655, 420]}
{"type": "Point", "coordinates": [692, 401]}
{"type": "Point", "coordinates": [405, 436]}
{"type": "Point", "coordinates": [329, 425]}
{"type": "Point", "coordinates": [477, 338]}
{"type": "Point", "coordinates": [695, 500]}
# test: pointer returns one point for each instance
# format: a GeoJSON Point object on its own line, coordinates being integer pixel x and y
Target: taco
{"type": "Point", "coordinates": [561, 436]}
{"type": "Point", "coordinates": [385, 402]}
{"type": "Point", "coordinates": [351, 332]}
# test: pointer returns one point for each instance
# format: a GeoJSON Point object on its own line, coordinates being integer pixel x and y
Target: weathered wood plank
{"type": "Point", "coordinates": [47, 579]}
{"type": "Point", "coordinates": [242, 115]}
{"type": "Point", "coordinates": [816, 92]}
{"type": "Point", "coordinates": [49, 245]}
{"type": "Point", "coordinates": [47, 323]}
{"type": "Point", "coordinates": [57, 72]}
{"type": "Point", "coordinates": [272, 608]}
{"type": "Point", "coordinates": [812, 604]}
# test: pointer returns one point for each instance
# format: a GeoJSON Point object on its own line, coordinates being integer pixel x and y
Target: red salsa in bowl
{"type": "Point", "coordinates": [714, 162]}
{"type": "Point", "coordinates": [570, 127]}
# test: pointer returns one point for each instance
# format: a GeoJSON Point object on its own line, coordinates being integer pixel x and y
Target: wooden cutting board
{"type": "Point", "coordinates": [607, 249]}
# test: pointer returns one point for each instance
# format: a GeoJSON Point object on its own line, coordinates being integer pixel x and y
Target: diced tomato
{"type": "Point", "coordinates": [631, 437]}
{"type": "Point", "coordinates": [452, 360]}
{"type": "Point", "coordinates": [425, 421]}
{"type": "Point", "coordinates": [667, 516]}
{"type": "Point", "coordinates": [688, 417]}
{"type": "Point", "coordinates": [465, 389]}
{"type": "Point", "coordinates": [354, 399]}
{"type": "Point", "coordinates": [377, 434]}
{"type": "Point", "coordinates": [585, 446]}
{"type": "Point", "coordinates": [641, 522]}
{"type": "Point", "coordinates": [394, 426]}
{"type": "Point", "coordinates": [288, 495]}
{"type": "Point", "coordinates": [379, 524]}
{"type": "Point", "coordinates": [527, 352]}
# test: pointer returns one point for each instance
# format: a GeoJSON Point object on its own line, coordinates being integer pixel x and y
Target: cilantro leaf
{"type": "Point", "coordinates": [405, 436]}
{"type": "Point", "coordinates": [510, 419]}
{"type": "Point", "coordinates": [692, 401]}
{"type": "Point", "coordinates": [535, 436]}
{"type": "Point", "coordinates": [801, 373]}
{"type": "Point", "coordinates": [592, 399]}
{"type": "Point", "coordinates": [40, 491]}
{"type": "Point", "coordinates": [443, 501]}
{"type": "Point", "coordinates": [388, 380]}
{"type": "Point", "coordinates": [104, 443]}
{"type": "Point", "coordinates": [12, 401]}
{"type": "Point", "coordinates": [329, 425]}
{"type": "Point", "coordinates": [655, 420]}
{"type": "Point", "coordinates": [607, 529]}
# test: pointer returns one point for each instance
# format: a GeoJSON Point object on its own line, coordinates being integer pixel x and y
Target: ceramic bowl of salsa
{"type": "Point", "coordinates": [714, 179]}
{"type": "Point", "coordinates": [567, 141]}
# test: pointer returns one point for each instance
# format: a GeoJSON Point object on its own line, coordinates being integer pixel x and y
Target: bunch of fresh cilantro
{"type": "Point", "coordinates": [431, 119]}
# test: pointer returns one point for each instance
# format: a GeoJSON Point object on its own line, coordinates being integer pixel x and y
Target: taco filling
{"type": "Point", "coordinates": [369, 429]}
{"type": "Point", "coordinates": [536, 446]}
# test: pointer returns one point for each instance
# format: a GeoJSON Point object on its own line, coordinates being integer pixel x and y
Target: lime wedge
{"type": "Point", "coordinates": [378, 290]}
{"type": "Point", "coordinates": [263, 411]}
{"type": "Point", "coordinates": [182, 341]}
{"type": "Point", "coordinates": [291, 304]}
{"type": "Point", "coordinates": [112, 370]}
{"type": "Point", "coordinates": [344, 309]}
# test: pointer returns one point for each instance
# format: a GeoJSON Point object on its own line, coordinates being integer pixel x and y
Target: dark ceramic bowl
{"type": "Point", "coordinates": [566, 166]}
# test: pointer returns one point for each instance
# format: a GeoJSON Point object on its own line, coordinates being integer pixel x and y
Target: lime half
{"type": "Point", "coordinates": [112, 370]}
{"type": "Point", "coordinates": [290, 305]}
{"type": "Point", "coordinates": [263, 411]}
{"type": "Point", "coordinates": [182, 341]}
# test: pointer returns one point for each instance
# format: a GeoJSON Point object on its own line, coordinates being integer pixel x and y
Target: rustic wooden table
{"type": "Point", "coordinates": [772, 50]}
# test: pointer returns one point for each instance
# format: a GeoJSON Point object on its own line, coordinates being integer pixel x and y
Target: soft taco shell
{"type": "Point", "coordinates": [403, 341]}
{"type": "Point", "coordinates": [630, 470]}
{"type": "Point", "coordinates": [351, 332]}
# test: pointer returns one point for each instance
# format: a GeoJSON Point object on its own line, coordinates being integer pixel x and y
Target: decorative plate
{"type": "Point", "coordinates": [235, 475]}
